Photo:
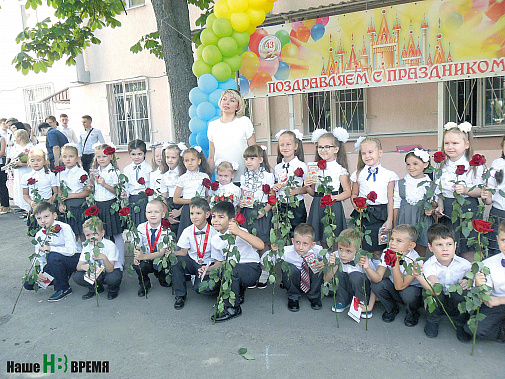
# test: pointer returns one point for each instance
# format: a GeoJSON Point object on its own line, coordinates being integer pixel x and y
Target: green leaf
{"type": "Point", "coordinates": [249, 357]}
{"type": "Point", "coordinates": [242, 351]}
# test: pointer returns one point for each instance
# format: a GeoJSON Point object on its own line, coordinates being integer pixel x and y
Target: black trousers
{"type": "Point", "coordinates": [450, 303]}
{"type": "Point", "coordinates": [244, 275]}
{"type": "Point", "coordinates": [489, 327]}
{"type": "Point", "coordinates": [146, 267]}
{"type": "Point", "coordinates": [61, 267]}
{"type": "Point", "coordinates": [111, 279]}
{"type": "Point", "coordinates": [350, 285]}
{"type": "Point", "coordinates": [87, 160]}
{"type": "Point", "coordinates": [292, 280]}
{"type": "Point", "coordinates": [191, 268]}
{"type": "Point", "coordinates": [389, 296]}
{"type": "Point", "coordinates": [4, 192]}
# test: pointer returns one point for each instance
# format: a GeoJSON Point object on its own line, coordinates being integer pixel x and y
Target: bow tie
{"type": "Point", "coordinates": [350, 263]}
{"type": "Point", "coordinates": [286, 166]}
{"type": "Point", "coordinates": [372, 171]}
{"type": "Point", "coordinates": [136, 167]}
{"type": "Point", "coordinates": [200, 233]}
{"type": "Point", "coordinates": [503, 262]}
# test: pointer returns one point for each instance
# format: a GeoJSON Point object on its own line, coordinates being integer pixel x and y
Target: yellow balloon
{"type": "Point", "coordinates": [258, 4]}
{"type": "Point", "coordinates": [240, 21]}
{"type": "Point", "coordinates": [250, 64]}
{"type": "Point", "coordinates": [256, 16]}
{"type": "Point", "coordinates": [310, 23]}
{"type": "Point", "coordinates": [289, 50]}
{"type": "Point", "coordinates": [251, 29]}
{"type": "Point", "coordinates": [268, 6]}
{"type": "Point", "coordinates": [221, 9]}
{"type": "Point", "coordinates": [237, 6]}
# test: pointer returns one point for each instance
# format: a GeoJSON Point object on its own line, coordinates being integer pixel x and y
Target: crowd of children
{"type": "Point", "coordinates": [408, 215]}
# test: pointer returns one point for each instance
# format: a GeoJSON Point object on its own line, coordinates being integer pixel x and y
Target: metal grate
{"type": "Point", "coordinates": [36, 109]}
{"type": "Point", "coordinates": [461, 99]}
{"type": "Point", "coordinates": [494, 101]}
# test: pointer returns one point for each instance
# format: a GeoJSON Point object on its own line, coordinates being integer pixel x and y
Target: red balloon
{"type": "Point", "coordinates": [259, 82]}
{"type": "Point", "coordinates": [303, 33]}
{"type": "Point", "coordinates": [255, 39]}
{"type": "Point", "coordinates": [294, 38]}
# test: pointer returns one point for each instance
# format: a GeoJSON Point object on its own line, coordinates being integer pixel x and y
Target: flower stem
{"type": "Point", "coordinates": [334, 284]}
{"type": "Point", "coordinates": [475, 331]}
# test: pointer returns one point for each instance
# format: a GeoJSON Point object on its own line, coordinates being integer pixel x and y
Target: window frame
{"type": "Point", "coordinates": [128, 6]}
{"type": "Point", "coordinates": [41, 107]}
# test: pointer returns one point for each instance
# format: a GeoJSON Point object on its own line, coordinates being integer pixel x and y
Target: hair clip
{"type": "Point", "coordinates": [341, 134]}
{"type": "Point", "coordinates": [357, 145]}
{"type": "Point", "coordinates": [422, 154]}
{"type": "Point", "coordinates": [155, 144]}
{"type": "Point", "coordinates": [316, 134]}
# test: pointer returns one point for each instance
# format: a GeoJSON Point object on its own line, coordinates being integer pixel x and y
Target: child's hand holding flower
{"type": "Point", "coordinates": [364, 262]}
{"type": "Point", "coordinates": [480, 279]}
{"type": "Point", "coordinates": [464, 284]}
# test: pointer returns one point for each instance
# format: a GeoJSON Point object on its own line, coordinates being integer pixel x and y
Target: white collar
{"type": "Point", "coordinates": [461, 161]}
{"type": "Point", "coordinates": [74, 169]}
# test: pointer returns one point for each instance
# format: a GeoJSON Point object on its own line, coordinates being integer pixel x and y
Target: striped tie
{"type": "Point", "coordinates": [305, 277]}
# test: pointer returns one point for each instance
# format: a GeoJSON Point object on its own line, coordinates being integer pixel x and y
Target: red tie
{"type": "Point", "coordinates": [305, 277]}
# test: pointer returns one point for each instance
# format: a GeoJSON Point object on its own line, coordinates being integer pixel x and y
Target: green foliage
{"type": "Point", "coordinates": [243, 353]}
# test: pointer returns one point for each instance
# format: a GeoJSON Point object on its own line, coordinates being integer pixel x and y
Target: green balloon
{"type": "Point", "coordinates": [210, 20]}
{"type": "Point", "coordinates": [208, 37]}
{"type": "Point", "coordinates": [283, 36]}
{"type": "Point", "coordinates": [242, 38]}
{"type": "Point", "coordinates": [222, 27]}
{"type": "Point", "coordinates": [199, 51]}
{"type": "Point", "coordinates": [200, 67]}
{"type": "Point", "coordinates": [228, 46]}
{"type": "Point", "coordinates": [221, 71]}
{"type": "Point", "coordinates": [234, 62]}
{"type": "Point", "coordinates": [211, 55]}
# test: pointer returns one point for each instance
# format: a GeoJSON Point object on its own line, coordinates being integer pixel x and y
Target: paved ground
{"type": "Point", "coordinates": [149, 339]}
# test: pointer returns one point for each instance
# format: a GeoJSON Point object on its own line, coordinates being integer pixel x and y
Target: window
{"type": "Point", "coordinates": [327, 110]}
{"type": "Point", "coordinates": [133, 3]}
{"type": "Point", "coordinates": [129, 111]}
{"type": "Point", "coordinates": [494, 101]}
{"type": "Point", "coordinates": [37, 111]}
{"type": "Point", "coordinates": [461, 101]}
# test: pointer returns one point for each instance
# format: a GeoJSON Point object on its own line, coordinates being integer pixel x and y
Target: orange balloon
{"type": "Point", "coordinates": [303, 33]}
{"type": "Point", "coordinates": [310, 23]}
{"type": "Point", "coordinates": [259, 82]}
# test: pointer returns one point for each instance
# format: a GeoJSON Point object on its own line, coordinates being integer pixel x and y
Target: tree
{"type": "Point", "coordinates": [74, 29]}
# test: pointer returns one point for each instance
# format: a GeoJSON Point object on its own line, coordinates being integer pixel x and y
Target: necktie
{"type": "Point", "coordinates": [372, 171]}
{"type": "Point", "coordinates": [305, 277]}
{"type": "Point", "coordinates": [503, 262]}
{"type": "Point", "coordinates": [137, 169]}
{"type": "Point", "coordinates": [153, 239]}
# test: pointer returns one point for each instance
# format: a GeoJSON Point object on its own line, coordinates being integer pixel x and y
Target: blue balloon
{"type": "Point", "coordinates": [202, 140]}
{"type": "Point", "coordinates": [207, 83]}
{"type": "Point", "coordinates": [196, 125]}
{"type": "Point", "coordinates": [316, 32]}
{"type": "Point", "coordinates": [192, 111]}
{"type": "Point", "coordinates": [197, 96]}
{"type": "Point", "coordinates": [192, 139]}
{"type": "Point", "coordinates": [282, 72]}
{"type": "Point", "coordinates": [205, 111]}
{"type": "Point", "coordinates": [228, 84]}
{"type": "Point", "coordinates": [244, 84]}
{"type": "Point", "coordinates": [215, 96]}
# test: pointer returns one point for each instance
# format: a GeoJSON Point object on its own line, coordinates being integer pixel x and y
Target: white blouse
{"type": "Point", "coordinates": [468, 179]}
{"type": "Point", "coordinates": [191, 184]}
{"type": "Point", "coordinates": [72, 179]}
{"type": "Point", "coordinates": [285, 170]}
{"type": "Point", "coordinates": [155, 182]}
{"type": "Point", "coordinates": [496, 278]}
{"type": "Point", "coordinates": [254, 181]}
{"type": "Point", "coordinates": [169, 181]}
{"type": "Point", "coordinates": [44, 183]}
{"type": "Point", "coordinates": [414, 190]}
{"type": "Point", "coordinates": [498, 200]}
{"type": "Point", "coordinates": [134, 173]}
{"type": "Point", "coordinates": [334, 170]}
{"type": "Point", "coordinates": [111, 176]}
{"type": "Point", "coordinates": [226, 190]}
{"type": "Point", "coordinates": [367, 184]}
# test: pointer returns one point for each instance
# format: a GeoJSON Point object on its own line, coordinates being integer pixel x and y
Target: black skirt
{"type": "Point", "coordinates": [74, 216]}
{"type": "Point", "coordinates": [185, 221]}
{"type": "Point", "coordinates": [140, 201]}
{"type": "Point", "coordinates": [461, 240]}
{"type": "Point", "coordinates": [262, 225]}
{"type": "Point", "coordinates": [496, 216]}
{"type": "Point", "coordinates": [316, 214]}
{"type": "Point", "coordinates": [111, 221]}
{"type": "Point", "coordinates": [377, 216]}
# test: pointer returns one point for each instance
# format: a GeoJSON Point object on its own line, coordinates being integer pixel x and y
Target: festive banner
{"type": "Point", "coordinates": [419, 42]}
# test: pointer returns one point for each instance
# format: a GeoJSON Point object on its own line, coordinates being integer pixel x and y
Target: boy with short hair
{"type": "Point", "coordinates": [147, 251]}
{"type": "Point", "coordinates": [300, 278]}
{"type": "Point", "coordinates": [195, 244]}
{"type": "Point", "coordinates": [247, 269]}
{"type": "Point", "coordinates": [493, 326]}
{"type": "Point", "coordinates": [87, 139]}
{"type": "Point", "coordinates": [109, 257]}
{"type": "Point", "coordinates": [57, 256]}
{"type": "Point", "coordinates": [446, 268]}
{"type": "Point", "coordinates": [400, 286]}
{"type": "Point", "coordinates": [350, 278]}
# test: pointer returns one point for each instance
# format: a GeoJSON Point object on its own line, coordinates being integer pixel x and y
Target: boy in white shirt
{"type": "Point", "coordinates": [445, 268]}
{"type": "Point", "coordinates": [493, 326]}
{"type": "Point", "coordinates": [57, 256]}
{"type": "Point", "coordinates": [247, 269]}
{"type": "Point", "coordinates": [108, 257]}
{"type": "Point", "coordinates": [350, 278]}
{"type": "Point", "coordinates": [400, 287]}
{"type": "Point", "coordinates": [195, 244]}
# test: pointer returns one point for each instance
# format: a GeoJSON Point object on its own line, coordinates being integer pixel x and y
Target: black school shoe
{"type": "Point", "coordinates": [142, 292]}
{"type": "Point", "coordinates": [111, 295]}
{"type": "Point", "coordinates": [91, 293]}
{"type": "Point", "coordinates": [431, 329]}
{"type": "Point", "coordinates": [316, 303]}
{"type": "Point", "coordinates": [165, 284]}
{"type": "Point", "coordinates": [461, 335]}
{"type": "Point", "coordinates": [227, 314]}
{"type": "Point", "coordinates": [411, 319]}
{"type": "Point", "coordinates": [179, 302]}
{"type": "Point", "coordinates": [390, 316]}
{"type": "Point", "coordinates": [60, 295]}
{"type": "Point", "coordinates": [293, 305]}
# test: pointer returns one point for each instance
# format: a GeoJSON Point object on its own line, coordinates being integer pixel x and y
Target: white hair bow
{"type": "Point", "coordinates": [465, 127]}
{"type": "Point", "coordinates": [296, 132]}
{"type": "Point", "coordinates": [198, 148]}
{"type": "Point", "coordinates": [235, 166]}
{"type": "Point", "coordinates": [70, 144]}
{"type": "Point", "coordinates": [341, 134]}
{"type": "Point", "coordinates": [182, 147]}
{"type": "Point", "coordinates": [316, 134]}
{"type": "Point", "coordinates": [422, 154]}
{"type": "Point", "coordinates": [263, 147]}
{"type": "Point", "coordinates": [218, 162]}
{"type": "Point", "coordinates": [96, 145]}
{"type": "Point", "coordinates": [357, 145]}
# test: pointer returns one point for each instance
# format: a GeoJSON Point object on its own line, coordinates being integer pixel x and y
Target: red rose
{"type": "Point", "coordinates": [460, 169]}
{"type": "Point", "coordinates": [44, 231]}
{"type": "Point", "coordinates": [141, 181]}
{"type": "Point", "coordinates": [92, 211]}
{"type": "Point", "coordinates": [360, 202]}
{"type": "Point", "coordinates": [231, 197]}
{"type": "Point", "coordinates": [266, 189]}
{"type": "Point", "coordinates": [221, 198]}
{"type": "Point", "coordinates": [372, 196]}
{"type": "Point", "coordinates": [478, 160]}
{"type": "Point", "coordinates": [216, 199]}
{"type": "Point", "coordinates": [482, 226]}
{"type": "Point", "coordinates": [439, 157]}
{"type": "Point", "coordinates": [206, 183]}
{"type": "Point", "coordinates": [322, 164]}
{"type": "Point", "coordinates": [240, 218]}
{"type": "Point", "coordinates": [55, 229]}
{"type": "Point", "coordinates": [214, 186]}
{"type": "Point", "coordinates": [272, 200]}
{"type": "Point", "coordinates": [390, 257]}
{"type": "Point", "coordinates": [109, 150]}
{"type": "Point", "coordinates": [124, 211]}
{"type": "Point", "coordinates": [149, 191]}
{"type": "Point", "coordinates": [326, 200]}
{"type": "Point", "coordinates": [299, 172]}
{"type": "Point", "coordinates": [31, 181]}
{"type": "Point", "coordinates": [165, 224]}
{"type": "Point", "coordinates": [83, 178]}
{"type": "Point", "coordinates": [57, 169]}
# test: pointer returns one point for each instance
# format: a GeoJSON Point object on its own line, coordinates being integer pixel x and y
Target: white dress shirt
{"type": "Point", "coordinates": [109, 249]}
{"type": "Point", "coordinates": [44, 183]}
{"type": "Point", "coordinates": [285, 170]}
{"type": "Point", "coordinates": [72, 179]}
{"type": "Point", "coordinates": [380, 186]}
{"type": "Point", "coordinates": [412, 255]}
{"type": "Point", "coordinates": [111, 177]}
{"type": "Point", "coordinates": [447, 275]}
{"type": "Point", "coordinates": [291, 256]}
{"type": "Point", "coordinates": [468, 179]}
{"type": "Point", "coordinates": [95, 135]}
{"type": "Point", "coordinates": [62, 242]}
{"type": "Point", "coordinates": [334, 170]}
{"type": "Point", "coordinates": [145, 239]}
{"type": "Point", "coordinates": [248, 254]}
{"type": "Point", "coordinates": [134, 172]}
{"type": "Point", "coordinates": [349, 267]}
{"type": "Point", "coordinates": [496, 278]}
{"type": "Point", "coordinates": [498, 200]}
{"type": "Point", "coordinates": [187, 241]}
{"type": "Point", "coordinates": [70, 134]}
{"type": "Point", "coordinates": [191, 184]}
{"type": "Point", "coordinates": [169, 181]}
